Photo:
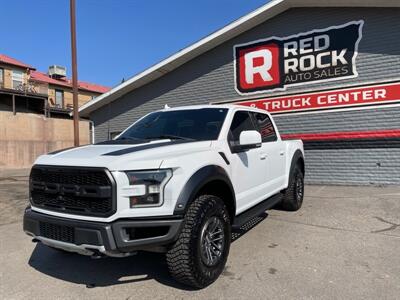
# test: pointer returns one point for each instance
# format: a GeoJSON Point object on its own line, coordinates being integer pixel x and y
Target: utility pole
{"type": "Point", "coordinates": [74, 73]}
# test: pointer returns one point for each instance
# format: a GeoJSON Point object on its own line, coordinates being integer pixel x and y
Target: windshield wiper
{"type": "Point", "coordinates": [169, 136]}
{"type": "Point", "coordinates": [129, 138]}
{"type": "Point", "coordinates": [124, 140]}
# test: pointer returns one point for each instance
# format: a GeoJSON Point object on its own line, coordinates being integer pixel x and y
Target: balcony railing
{"type": "Point", "coordinates": [32, 87]}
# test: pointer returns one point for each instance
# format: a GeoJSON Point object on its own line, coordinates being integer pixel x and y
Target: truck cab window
{"type": "Point", "coordinates": [241, 122]}
{"type": "Point", "coordinates": [265, 127]}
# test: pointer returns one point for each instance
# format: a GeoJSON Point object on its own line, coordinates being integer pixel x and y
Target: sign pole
{"type": "Point", "coordinates": [74, 73]}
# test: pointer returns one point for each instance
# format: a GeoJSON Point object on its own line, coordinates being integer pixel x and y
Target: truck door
{"type": "Point", "coordinates": [274, 150]}
{"type": "Point", "coordinates": [248, 167]}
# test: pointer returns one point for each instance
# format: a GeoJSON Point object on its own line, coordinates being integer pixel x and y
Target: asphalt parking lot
{"type": "Point", "coordinates": [343, 244]}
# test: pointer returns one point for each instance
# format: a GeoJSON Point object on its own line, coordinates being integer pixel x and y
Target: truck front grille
{"type": "Point", "coordinates": [83, 191]}
{"type": "Point", "coordinates": [57, 232]}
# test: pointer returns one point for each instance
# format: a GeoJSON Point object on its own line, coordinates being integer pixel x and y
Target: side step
{"type": "Point", "coordinates": [255, 211]}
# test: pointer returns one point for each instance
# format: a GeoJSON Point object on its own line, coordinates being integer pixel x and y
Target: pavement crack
{"type": "Point", "coordinates": [335, 228]}
{"type": "Point", "coordinates": [392, 227]}
{"type": "Point", "coordinates": [338, 197]}
{"type": "Point", "coordinates": [258, 276]}
{"type": "Point", "coordinates": [316, 225]}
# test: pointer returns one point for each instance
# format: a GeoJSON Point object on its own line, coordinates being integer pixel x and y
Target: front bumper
{"type": "Point", "coordinates": [119, 238]}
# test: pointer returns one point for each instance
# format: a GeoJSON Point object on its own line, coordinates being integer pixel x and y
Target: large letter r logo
{"type": "Point", "coordinates": [251, 68]}
{"type": "Point", "coordinates": [257, 67]}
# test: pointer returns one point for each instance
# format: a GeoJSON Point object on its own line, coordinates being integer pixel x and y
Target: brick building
{"type": "Point", "coordinates": [35, 112]}
{"type": "Point", "coordinates": [24, 89]}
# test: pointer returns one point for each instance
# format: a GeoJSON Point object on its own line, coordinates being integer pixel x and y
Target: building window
{"type": "Point", "coordinates": [60, 98]}
{"type": "Point", "coordinates": [114, 134]}
{"type": "Point", "coordinates": [1, 75]}
{"type": "Point", "coordinates": [17, 79]}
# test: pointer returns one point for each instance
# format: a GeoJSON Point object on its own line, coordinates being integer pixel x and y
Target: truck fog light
{"type": "Point", "coordinates": [144, 200]}
{"type": "Point", "coordinates": [146, 188]}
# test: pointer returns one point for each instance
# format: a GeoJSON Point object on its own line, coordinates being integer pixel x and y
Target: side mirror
{"type": "Point", "coordinates": [248, 139]}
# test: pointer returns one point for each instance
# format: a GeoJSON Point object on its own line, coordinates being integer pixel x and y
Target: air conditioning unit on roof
{"type": "Point", "coordinates": [57, 71]}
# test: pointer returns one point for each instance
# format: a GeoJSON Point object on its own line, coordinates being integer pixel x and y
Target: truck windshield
{"type": "Point", "coordinates": [191, 124]}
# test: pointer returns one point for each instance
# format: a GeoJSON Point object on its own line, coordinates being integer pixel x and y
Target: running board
{"type": "Point", "coordinates": [255, 211]}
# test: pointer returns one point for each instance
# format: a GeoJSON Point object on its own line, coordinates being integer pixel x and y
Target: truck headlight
{"type": "Point", "coordinates": [146, 188]}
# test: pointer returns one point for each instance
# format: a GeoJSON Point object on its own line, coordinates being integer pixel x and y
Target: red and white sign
{"type": "Point", "coordinates": [343, 98]}
{"type": "Point", "coordinates": [259, 66]}
{"type": "Point", "coordinates": [277, 62]}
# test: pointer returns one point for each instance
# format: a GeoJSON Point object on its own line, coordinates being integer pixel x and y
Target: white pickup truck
{"type": "Point", "coordinates": [178, 180]}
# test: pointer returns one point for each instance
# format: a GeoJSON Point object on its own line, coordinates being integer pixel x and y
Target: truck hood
{"type": "Point", "coordinates": [117, 157]}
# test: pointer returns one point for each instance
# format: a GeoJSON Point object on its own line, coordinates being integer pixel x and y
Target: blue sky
{"type": "Point", "coordinates": [116, 38]}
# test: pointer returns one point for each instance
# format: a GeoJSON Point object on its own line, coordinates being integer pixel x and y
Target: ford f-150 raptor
{"type": "Point", "coordinates": [178, 180]}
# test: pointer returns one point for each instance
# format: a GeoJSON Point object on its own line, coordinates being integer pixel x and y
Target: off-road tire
{"type": "Point", "coordinates": [292, 196]}
{"type": "Point", "coordinates": [184, 258]}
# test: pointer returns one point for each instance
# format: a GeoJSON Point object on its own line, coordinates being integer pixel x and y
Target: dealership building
{"type": "Point", "coordinates": [328, 71]}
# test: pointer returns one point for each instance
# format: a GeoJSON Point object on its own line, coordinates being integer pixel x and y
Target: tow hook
{"type": "Point", "coordinates": [96, 254]}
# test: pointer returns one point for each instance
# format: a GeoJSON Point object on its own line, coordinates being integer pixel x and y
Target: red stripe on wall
{"type": "Point", "coordinates": [347, 135]}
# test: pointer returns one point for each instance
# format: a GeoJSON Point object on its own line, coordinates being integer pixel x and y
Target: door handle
{"type": "Point", "coordinates": [263, 156]}
{"type": "Point", "coordinates": [282, 153]}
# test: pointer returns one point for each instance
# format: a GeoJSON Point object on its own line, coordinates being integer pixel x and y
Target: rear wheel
{"type": "Point", "coordinates": [199, 255]}
{"type": "Point", "coordinates": [294, 194]}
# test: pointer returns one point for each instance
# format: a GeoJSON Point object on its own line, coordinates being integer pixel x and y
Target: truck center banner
{"type": "Point", "coordinates": [318, 55]}
{"type": "Point", "coordinates": [343, 98]}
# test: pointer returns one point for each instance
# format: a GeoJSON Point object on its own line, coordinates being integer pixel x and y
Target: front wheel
{"type": "Point", "coordinates": [199, 255]}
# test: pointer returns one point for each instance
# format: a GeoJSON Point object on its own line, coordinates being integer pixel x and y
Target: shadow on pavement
{"type": "Point", "coordinates": [103, 272]}
{"type": "Point", "coordinates": [109, 271]}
